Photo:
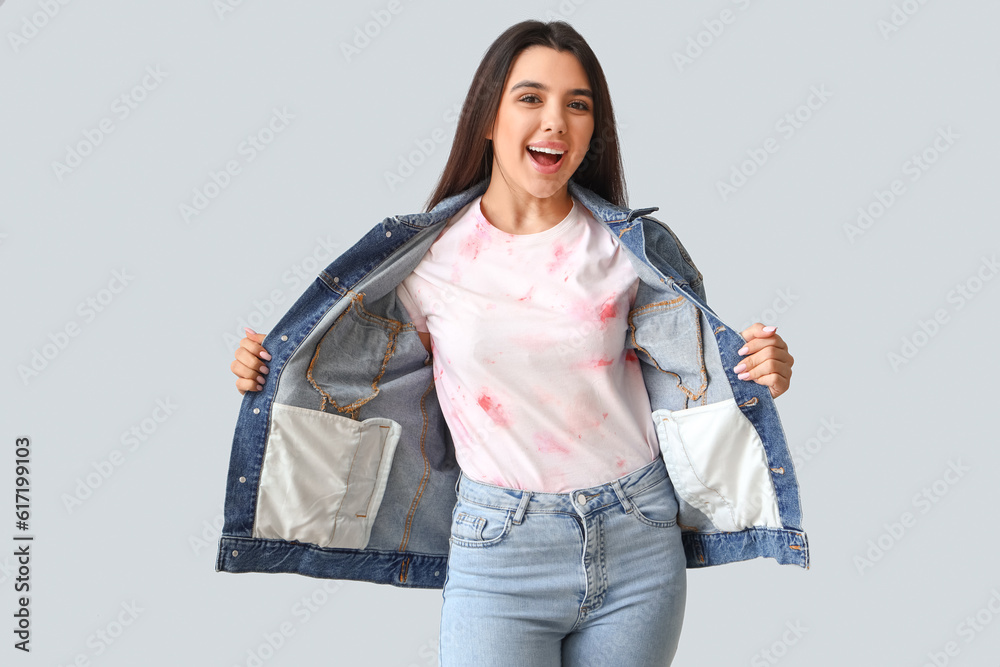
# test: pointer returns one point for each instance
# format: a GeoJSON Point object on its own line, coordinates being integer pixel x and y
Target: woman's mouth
{"type": "Point", "coordinates": [545, 160]}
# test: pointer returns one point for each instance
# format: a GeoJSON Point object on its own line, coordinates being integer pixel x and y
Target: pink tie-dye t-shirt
{"type": "Point", "coordinates": [528, 346]}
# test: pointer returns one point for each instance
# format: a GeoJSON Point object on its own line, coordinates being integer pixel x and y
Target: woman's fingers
{"type": "Point", "coordinates": [249, 366]}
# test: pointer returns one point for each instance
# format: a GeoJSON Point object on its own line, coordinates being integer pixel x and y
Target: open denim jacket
{"type": "Point", "coordinates": [343, 467]}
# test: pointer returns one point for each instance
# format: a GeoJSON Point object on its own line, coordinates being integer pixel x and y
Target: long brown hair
{"type": "Point", "coordinates": [471, 157]}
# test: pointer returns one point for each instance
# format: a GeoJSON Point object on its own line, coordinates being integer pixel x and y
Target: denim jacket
{"type": "Point", "coordinates": [343, 467]}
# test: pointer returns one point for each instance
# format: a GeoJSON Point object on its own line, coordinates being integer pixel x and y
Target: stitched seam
{"type": "Point", "coordinates": [426, 476]}
{"type": "Point", "coordinates": [392, 327]}
{"type": "Point", "coordinates": [371, 495]}
{"type": "Point", "coordinates": [347, 486]}
{"type": "Point", "coordinates": [701, 354]}
{"type": "Point", "coordinates": [697, 477]}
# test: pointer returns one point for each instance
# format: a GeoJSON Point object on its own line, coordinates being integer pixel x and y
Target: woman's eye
{"type": "Point", "coordinates": [524, 98]}
{"type": "Point", "coordinates": [583, 105]}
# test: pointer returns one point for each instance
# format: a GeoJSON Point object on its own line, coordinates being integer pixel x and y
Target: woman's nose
{"type": "Point", "coordinates": [553, 119]}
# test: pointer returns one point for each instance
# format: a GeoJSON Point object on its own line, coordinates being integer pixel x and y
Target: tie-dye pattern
{"type": "Point", "coordinates": [528, 346]}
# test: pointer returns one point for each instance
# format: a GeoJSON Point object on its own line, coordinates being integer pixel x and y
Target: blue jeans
{"type": "Point", "coordinates": [596, 576]}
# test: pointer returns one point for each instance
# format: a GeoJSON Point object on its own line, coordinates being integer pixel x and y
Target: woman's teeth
{"type": "Point", "coordinates": [547, 157]}
{"type": "Point", "coordinates": [545, 150]}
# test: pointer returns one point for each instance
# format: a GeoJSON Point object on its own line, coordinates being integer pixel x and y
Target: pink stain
{"type": "Point", "coordinates": [630, 355]}
{"type": "Point", "coordinates": [493, 409]}
{"type": "Point", "coordinates": [559, 255]}
{"type": "Point", "coordinates": [584, 310]}
{"type": "Point", "coordinates": [604, 415]}
{"type": "Point", "coordinates": [609, 310]}
{"type": "Point", "coordinates": [620, 462]}
{"type": "Point", "coordinates": [547, 444]}
{"type": "Point", "coordinates": [527, 296]}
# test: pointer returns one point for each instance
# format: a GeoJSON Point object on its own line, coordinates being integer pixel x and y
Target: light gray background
{"type": "Point", "coordinates": [867, 437]}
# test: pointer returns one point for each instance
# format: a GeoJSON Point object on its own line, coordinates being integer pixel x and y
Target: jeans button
{"type": "Point", "coordinates": [582, 499]}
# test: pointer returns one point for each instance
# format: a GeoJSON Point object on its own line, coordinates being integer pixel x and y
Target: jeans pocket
{"type": "Point", "coordinates": [656, 505]}
{"type": "Point", "coordinates": [477, 525]}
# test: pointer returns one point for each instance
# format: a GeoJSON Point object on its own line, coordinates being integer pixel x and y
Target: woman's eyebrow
{"type": "Point", "coordinates": [541, 86]}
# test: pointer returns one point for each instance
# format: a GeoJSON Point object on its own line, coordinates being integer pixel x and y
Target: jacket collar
{"type": "Point", "coordinates": [600, 208]}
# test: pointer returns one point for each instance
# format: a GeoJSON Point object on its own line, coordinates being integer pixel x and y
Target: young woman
{"type": "Point", "coordinates": [565, 546]}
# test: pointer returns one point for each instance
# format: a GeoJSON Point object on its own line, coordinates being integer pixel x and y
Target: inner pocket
{"type": "Point", "coordinates": [323, 476]}
{"type": "Point", "coordinates": [717, 463]}
{"type": "Point", "coordinates": [351, 357]}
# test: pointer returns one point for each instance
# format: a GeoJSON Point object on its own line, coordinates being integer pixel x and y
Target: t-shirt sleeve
{"type": "Point", "coordinates": [412, 307]}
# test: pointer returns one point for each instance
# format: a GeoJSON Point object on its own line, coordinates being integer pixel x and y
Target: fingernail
{"type": "Point", "coordinates": [743, 376]}
{"type": "Point", "coordinates": [265, 355]}
{"type": "Point", "coordinates": [741, 367]}
{"type": "Point", "coordinates": [743, 350]}
{"type": "Point", "coordinates": [260, 379]}
{"type": "Point", "coordinates": [769, 329]}
{"type": "Point", "coordinates": [249, 330]}
{"type": "Point", "coordinates": [264, 369]}
{"type": "Point", "coordinates": [259, 387]}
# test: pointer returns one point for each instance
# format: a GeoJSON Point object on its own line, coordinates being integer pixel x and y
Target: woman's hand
{"type": "Point", "coordinates": [248, 366]}
{"type": "Point", "coordinates": [768, 362]}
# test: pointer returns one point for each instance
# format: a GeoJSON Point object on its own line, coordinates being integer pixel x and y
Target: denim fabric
{"type": "Point", "coordinates": [596, 576]}
{"type": "Point", "coordinates": [343, 467]}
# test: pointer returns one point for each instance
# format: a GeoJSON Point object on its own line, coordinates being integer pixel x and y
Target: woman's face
{"type": "Point", "coordinates": [546, 103]}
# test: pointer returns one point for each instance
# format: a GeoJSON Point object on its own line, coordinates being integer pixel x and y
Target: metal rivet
{"type": "Point", "coordinates": [388, 233]}
{"type": "Point", "coordinates": [256, 411]}
{"type": "Point", "coordinates": [284, 338]}
{"type": "Point", "coordinates": [336, 280]}
{"type": "Point", "coordinates": [235, 552]}
{"type": "Point", "coordinates": [582, 499]}
{"type": "Point", "coordinates": [242, 480]}
{"type": "Point", "coordinates": [436, 573]}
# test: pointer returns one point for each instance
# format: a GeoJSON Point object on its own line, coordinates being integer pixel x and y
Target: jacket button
{"type": "Point", "coordinates": [243, 480]}
{"type": "Point", "coordinates": [336, 279]}
{"type": "Point", "coordinates": [284, 338]}
{"type": "Point", "coordinates": [235, 552]}
{"type": "Point", "coordinates": [256, 411]}
{"type": "Point", "coordinates": [388, 234]}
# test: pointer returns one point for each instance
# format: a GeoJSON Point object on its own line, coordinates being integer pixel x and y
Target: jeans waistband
{"type": "Point", "coordinates": [576, 501]}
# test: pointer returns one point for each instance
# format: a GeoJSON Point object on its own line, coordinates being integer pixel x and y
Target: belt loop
{"type": "Point", "coordinates": [620, 492]}
{"type": "Point", "coordinates": [523, 507]}
{"type": "Point", "coordinates": [457, 480]}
